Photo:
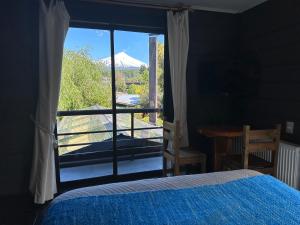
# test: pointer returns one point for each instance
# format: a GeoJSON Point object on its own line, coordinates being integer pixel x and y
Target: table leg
{"type": "Point", "coordinates": [222, 146]}
{"type": "Point", "coordinates": [215, 155]}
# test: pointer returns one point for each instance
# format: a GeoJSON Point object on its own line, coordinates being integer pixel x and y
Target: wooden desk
{"type": "Point", "coordinates": [223, 137]}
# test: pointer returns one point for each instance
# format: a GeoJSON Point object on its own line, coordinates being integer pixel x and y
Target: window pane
{"type": "Point", "coordinates": [85, 141]}
{"type": "Point", "coordinates": [86, 80]}
{"type": "Point", "coordinates": [139, 61]}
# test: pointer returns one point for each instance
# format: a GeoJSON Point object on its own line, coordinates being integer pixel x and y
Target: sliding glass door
{"type": "Point", "coordinates": [139, 91]}
{"type": "Point", "coordinates": [109, 116]}
{"type": "Point", "coordinates": [85, 117]}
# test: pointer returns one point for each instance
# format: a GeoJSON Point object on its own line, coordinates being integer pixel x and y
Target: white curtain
{"type": "Point", "coordinates": [53, 26]}
{"type": "Point", "coordinates": [178, 40]}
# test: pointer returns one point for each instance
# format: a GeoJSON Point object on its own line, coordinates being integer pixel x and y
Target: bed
{"type": "Point", "coordinates": [233, 197]}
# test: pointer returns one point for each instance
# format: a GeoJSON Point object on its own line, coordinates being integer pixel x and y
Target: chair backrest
{"type": "Point", "coordinates": [171, 136]}
{"type": "Point", "coordinates": [256, 141]}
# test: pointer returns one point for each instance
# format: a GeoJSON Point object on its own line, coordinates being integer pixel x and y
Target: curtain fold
{"type": "Point", "coordinates": [53, 26]}
{"type": "Point", "coordinates": [178, 40]}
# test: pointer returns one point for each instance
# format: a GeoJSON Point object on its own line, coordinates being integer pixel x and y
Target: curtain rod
{"type": "Point", "coordinates": [78, 22]}
{"type": "Point", "coordinates": [178, 7]}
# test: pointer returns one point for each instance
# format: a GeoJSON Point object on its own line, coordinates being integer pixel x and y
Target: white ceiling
{"type": "Point", "coordinates": [229, 6]}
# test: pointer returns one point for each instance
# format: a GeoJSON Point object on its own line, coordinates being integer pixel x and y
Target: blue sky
{"type": "Point", "coordinates": [134, 44]}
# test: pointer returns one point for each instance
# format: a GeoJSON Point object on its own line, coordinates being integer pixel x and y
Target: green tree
{"type": "Point", "coordinates": [84, 82]}
{"type": "Point", "coordinates": [160, 73]}
{"type": "Point", "coordinates": [120, 82]}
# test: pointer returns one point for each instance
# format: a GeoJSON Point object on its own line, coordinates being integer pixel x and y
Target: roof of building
{"type": "Point", "coordinates": [128, 99]}
{"type": "Point", "coordinates": [101, 122]}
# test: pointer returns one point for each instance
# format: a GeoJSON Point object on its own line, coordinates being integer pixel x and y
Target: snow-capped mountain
{"type": "Point", "coordinates": [123, 61]}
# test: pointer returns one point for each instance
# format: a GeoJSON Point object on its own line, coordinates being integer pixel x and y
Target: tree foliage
{"type": "Point", "coordinates": [160, 73]}
{"type": "Point", "coordinates": [84, 82]}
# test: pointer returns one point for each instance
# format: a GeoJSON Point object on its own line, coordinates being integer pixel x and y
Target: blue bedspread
{"type": "Point", "coordinates": [255, 200]}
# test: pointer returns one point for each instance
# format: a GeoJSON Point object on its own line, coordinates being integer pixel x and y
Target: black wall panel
{"type": "Point", "coordinates": [271, 34]}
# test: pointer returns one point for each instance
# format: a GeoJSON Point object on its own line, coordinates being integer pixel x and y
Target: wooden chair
{"type": "Point", "coordinates": [176, 155]}
{"type": "Point", "coordinates": [256, 142]}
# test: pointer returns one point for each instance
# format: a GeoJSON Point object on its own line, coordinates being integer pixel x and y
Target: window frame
{"type": "Point", "coordinates": [115, 177]}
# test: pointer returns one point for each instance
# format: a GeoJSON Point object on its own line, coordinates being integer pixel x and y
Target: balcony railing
{"type": "Point", "coordinates": [134, 147]}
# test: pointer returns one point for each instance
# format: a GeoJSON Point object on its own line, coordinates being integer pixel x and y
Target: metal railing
{"type": "Point", "coordinates": [125, 151]}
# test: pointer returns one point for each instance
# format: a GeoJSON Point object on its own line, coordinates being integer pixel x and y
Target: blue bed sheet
{"type": "Point", "coordinates": [255, 200]}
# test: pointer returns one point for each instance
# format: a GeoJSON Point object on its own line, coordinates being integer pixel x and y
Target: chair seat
{"type": "Point", "coordinates": [235, 161]}
{"type": "Point", "coordinates": [190, 153]}
{"type": "Point", "coordinates": [172, 152]}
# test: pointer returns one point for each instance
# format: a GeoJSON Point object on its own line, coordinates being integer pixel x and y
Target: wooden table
{"type": "Point", "coordinates": [223, 138]}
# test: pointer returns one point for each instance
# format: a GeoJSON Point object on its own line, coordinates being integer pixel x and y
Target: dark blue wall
{"type": "Point", "coordinates": [213, 43]}
{"type": "Point", "coordinates": [119, 17]}
{"type": "Point", "coordinates": [270, 34]}
{"type": "Point", "coordinates": [18, 91]}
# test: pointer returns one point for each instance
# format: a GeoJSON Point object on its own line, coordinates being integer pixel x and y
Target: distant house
{"type": "Point", "coordinates": [129, 100]}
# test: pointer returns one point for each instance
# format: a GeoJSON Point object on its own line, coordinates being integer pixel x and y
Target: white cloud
{"type": "Point", "coordinates": [100, 33]}
{"type": "Point", "coordinates": [126, 49]}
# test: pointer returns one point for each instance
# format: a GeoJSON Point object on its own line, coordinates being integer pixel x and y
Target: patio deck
{"type": "Point", "coordinates": [105, 169]}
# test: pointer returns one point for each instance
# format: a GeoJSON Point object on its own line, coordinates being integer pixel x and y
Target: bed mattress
{"type": "Point", "coordinates": [155, 184]}
{"type": "Point", "coordinates": [232, 197]}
